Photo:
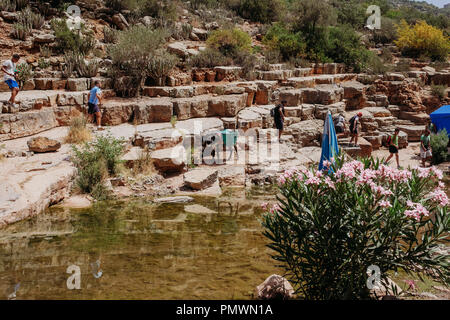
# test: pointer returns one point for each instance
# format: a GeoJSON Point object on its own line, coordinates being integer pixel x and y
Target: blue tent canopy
{"type": "Point", "coordinates": [441, 118]}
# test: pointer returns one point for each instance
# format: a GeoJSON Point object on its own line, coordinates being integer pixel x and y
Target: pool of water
{"type": "Point", "coordinates": [135, 249]}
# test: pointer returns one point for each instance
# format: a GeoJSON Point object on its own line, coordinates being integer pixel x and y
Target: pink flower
{"type": "Point", "coordinates": [385, 204]}
{"type": "Point", "coordinates": [411, 285]}
{"type": "Point", "coordinates": [264, 205]}
{"type": "Point", "coordinates": [437, 172]}
{"type": "Point", "coordinates": [439, 196]}
{"type": "Point", "coordinates": [417, 212]}
{"type": "Point", "coordinates": [275, 209]}
{"type": "Point", "coordinates": [312, 180]}
{"type": "Point", "coordinates": [326, 164]}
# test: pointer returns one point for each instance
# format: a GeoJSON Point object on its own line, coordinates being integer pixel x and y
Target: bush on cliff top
{"type": "Point", "coordinates": [230, 41]}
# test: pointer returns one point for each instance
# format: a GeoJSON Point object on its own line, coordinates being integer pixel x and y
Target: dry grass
{"type": "Point", "coordinates": [78, 131]}
{"type": "Point", "coordinates": [144, 164]}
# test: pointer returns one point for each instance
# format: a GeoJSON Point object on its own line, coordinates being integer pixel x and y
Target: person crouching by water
{"type": "Point", "coordinates": [393, 148]}
{"type": "Point", "coordinates": [279, 118]}
{"type": "Point", "coordinates": [94, 101]}
{"type": "Point", "coordinates": [425, 148]}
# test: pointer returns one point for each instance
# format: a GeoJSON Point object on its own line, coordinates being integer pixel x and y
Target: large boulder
{"type": "Point", "coordinates": [172, 160]}
{"type": "Point", "coordinates": [43, 144]}
{"type": "Point", "coordinates": [275, 287]}
{"type": "Point", "coordinates": [306, 133]}
{"type": "Point", "coordinates": [200, 178]}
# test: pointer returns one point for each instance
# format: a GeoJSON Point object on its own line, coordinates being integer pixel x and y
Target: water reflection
{"type": "Point", "coordinates": [137, 250]}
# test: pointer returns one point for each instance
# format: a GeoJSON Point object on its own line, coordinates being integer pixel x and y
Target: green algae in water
{"type": "Point", "coordinates": [146, 251]}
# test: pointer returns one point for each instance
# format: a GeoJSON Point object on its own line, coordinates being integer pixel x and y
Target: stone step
{"type": "Point", "coordinates": [319, 94]}
{"type": "Point", "coordinates": [311, 81]}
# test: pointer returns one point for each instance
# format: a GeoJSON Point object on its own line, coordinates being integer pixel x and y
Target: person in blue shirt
{"type": "Point", "coordinates": [94, 103]}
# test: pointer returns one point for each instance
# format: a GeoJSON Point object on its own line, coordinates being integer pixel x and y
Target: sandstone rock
{"type": "Point", "coordinates": [440, 78]}
{"type": "Point", "coordinates": [227, 106]}
{"type": "Point", "coordinates": [429, 70]}
{"type": "Point", "coordinates": [170, 160]}
{"type": "Point", "coordinates": [43, 144]}
{"type": "Point", "coordinates": [200, 33]}
{"type": "Point", "coordinates": [198, 209]}
{"type": "Point", "coordinates": [9, 16]}
{"type": "Point", "coordinates": [178, 48]}
{"type": "Point", "coordinates": [77, 84]}
{"type": "Point", "coordinates": [227, 73]}
{"type": "Point", "coordinates": [275, 287]}
{"type": "Point", "coordinates": [77, 202]}
{"type": "Point", "coordinates": [417, 118]}
{"type": "Point", "coordinates": [26, 124]}
{"type": "Point", "coordinates": [306, 133]}
{"type": "Point", "coordinates": [394, 77]}
{"type": "Point", "coordinates": [232, 176]}
{"type": "Point", "coordinates": [200, 178]}
{"type": "Point", "coordinates": [43, 38]}
{"type": "Point", "coordinates": [414, 132]}
{"type": "Point", "coordinates": [378, 112]}
{"type": "Point", "coordinates": [120, 21]}
{"type": "Point", "coordinates": [177, 199]}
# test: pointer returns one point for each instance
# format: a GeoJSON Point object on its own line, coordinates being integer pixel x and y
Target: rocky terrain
{"type": "Point", "coordinates": [204, 100]}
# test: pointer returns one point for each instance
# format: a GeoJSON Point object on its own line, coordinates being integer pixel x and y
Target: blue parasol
{"type": "Point", "coordinates": [330, 147]}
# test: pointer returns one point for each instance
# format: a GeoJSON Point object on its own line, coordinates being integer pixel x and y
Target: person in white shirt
{"type": "Point", "coordinates": [9, 76]}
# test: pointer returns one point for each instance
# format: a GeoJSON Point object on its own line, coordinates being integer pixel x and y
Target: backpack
{"type": "Point", "coordinates": [352, 121]}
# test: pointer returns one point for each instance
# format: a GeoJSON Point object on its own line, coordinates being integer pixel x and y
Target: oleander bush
{"type": "Point", "coordinates": [327, 229]}
{"type": "Point", "coordinates": [439, 147]}
{"type": "Point", "coordinates": [422, 39]}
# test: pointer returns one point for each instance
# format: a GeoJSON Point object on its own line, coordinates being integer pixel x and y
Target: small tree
{"type": "Point", "coordinates": [230, 41]}
{"type": "Point", "coordinates": [326, 230]}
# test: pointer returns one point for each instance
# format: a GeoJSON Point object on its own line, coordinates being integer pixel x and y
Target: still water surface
{"type": "Point", "coordinates": [135, 249]}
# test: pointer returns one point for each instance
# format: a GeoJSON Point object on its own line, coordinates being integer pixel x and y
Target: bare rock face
{"type": "Point", "coordinates": [275, 287]}
{"type": "Point", "coordinates": [43, 144]}
{"type": "Point", "coordinates": [405, 94]}
{"type": "Point", "coordinates": [200, 178]}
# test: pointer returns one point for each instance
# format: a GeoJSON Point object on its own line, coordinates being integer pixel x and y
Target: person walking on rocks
{"type": "Point", "coordinates": [393, 148]}
{"type": "Point", "coordinates": [340, 124]}
{"type": "Point", "coordinates": [425, 148]}
{"type": "Point", "coordinates": [94, 102]}
{"type": "Point", "coordinates": [9, 76]}
{"type": "Point", "coordinates": [354, 122]}
{"type": "Point", "coordinates": [278, 115]}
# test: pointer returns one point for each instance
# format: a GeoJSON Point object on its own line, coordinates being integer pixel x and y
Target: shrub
{"type": "Point", "coordinates": [230, 41]}
{"type": "Point", "coordinates": [70, 60]}
{"type": "Point", "coordinates": [30, 19]}
{"type": "Point", "coordinates": [160, 65]}
{"type": "Point", "coordinates": [279, 38]}
{"type": "Point", "coordinates": [209, 58]}
{"type": "Point", "coordinates": [78, 131]}
{"type": "Point", "coordinates": [265, 11]}
{"type": "Point", "coordinates": [344, 45]}
{"type": "Point", "coordinates": [110, 35]}
{"type": "Point", "coordinates": [438, 90]}
{"type": "Point", "coordinates": [387, 33]}
{"type": "Point", "coordinates": [422, 39]}
{"type": "Point", "coordinates": [375, 65]}
{"type": "Point", "coordinates": [7, 5]}
{"type": "Point", "coordinates": [86, 69]}
{"type": "Point", "coordinates": [131, 57]}
{"type": "Point", "coordinates": [45, 51]}
{"type": "Point", "coordinates": [326, 230]}
{"type": "Point", "coordinates": [20, 31]}
{"type": "Point", "coordinates": [439, 146]}
{"type": "Point", "coordinates": [144, 163]}
{"type": "Point", "coordinates": [82, 42]}
{"type": "Point", "coordinates": [43, 63]}
{"type": "Point", "coordinates": [95, 161]}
